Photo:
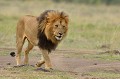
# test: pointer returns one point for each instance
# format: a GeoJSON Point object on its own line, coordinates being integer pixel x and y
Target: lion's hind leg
{"type": "Point", "coordinates": [20, 43]}
{"type": "Point", "coordinates": [27, 50]}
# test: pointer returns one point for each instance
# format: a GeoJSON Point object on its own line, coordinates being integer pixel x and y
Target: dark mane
{"type": "Point", "coordinates": [43, 16]}
{"type": "Point", "coordinates": [44, 43]}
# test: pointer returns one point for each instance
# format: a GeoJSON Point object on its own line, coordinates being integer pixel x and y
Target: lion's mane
{"type": "Point", "coordinates": [47, 17]}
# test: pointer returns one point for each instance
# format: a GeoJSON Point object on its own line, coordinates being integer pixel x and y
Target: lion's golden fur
{"type": "Point", "coordinates": [45, 31]}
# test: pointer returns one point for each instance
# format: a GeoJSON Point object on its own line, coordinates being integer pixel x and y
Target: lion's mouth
{"type": "Point", "coordinates": [58, 38]}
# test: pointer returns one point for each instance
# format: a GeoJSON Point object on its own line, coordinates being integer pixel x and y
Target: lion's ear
{"type": "Point", "coordinates": [65, 16]}
{"type": "Point", "coordinates": [50, 17]}
{"type": "Point", "coordinates": [41, 19]}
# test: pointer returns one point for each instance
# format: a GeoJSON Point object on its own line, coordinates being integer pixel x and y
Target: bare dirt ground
{"type": "Point", "coordinates": [74, 66]}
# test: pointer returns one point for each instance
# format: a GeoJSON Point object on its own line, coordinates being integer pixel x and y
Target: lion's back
{"type": "Point", "coordinates": [28, 26]}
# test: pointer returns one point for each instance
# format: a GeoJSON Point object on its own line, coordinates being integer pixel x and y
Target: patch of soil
{"type": "Point", "coordinates": [74, 66]}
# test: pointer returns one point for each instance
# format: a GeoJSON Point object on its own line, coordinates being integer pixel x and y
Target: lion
{"type": "Point", "coordinates": [45, 31]}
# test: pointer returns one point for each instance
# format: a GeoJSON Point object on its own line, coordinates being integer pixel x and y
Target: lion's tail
{"type": "Point", "coordinates": [12, 54]}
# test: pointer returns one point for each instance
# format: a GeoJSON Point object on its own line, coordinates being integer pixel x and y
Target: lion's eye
{"type": "Point", "coordinates": [56, 25]}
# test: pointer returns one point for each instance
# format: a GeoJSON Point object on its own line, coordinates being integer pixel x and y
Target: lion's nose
{"type": "Point", "coordinates": [60, 33]}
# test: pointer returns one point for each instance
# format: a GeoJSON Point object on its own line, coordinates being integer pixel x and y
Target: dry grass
{"type": "Point", "coordinates": [89, 28]}
{"type": "Point", "coordinates": [30, 73]}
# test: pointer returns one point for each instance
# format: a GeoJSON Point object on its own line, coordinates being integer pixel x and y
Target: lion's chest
{"type": "Point", "coordinates": [44, 43]}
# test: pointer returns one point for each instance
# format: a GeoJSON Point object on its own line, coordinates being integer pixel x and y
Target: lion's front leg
{"type": "Point", "coordinates": [41, 62]}
{"type": "Point", "coordinates": [46, 59]}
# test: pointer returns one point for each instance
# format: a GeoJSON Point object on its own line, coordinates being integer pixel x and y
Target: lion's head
{"type": "Point", "coordinates": [55, 25]}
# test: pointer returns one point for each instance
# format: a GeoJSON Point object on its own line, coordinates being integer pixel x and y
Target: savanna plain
{"type": "Point", "coordinates": [90, 50]}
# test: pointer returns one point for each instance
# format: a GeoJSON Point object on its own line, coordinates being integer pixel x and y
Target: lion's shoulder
{"type": "Point", "coordinates": [29, 20]}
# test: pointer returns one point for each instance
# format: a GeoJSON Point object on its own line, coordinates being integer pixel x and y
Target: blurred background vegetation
{"type": "Point", "coordinates": [107, 2]}
{"type": "Point", "coordinates": [94, 24]}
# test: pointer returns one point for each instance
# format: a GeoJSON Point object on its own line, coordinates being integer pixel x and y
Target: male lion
{"type": "Point", "coordinates": [45, 31]}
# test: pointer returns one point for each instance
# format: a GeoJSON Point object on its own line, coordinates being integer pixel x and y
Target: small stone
{"type": "Point", "coordinates": [95, 63]}
{"type": "Point", "coordinates": [8, 63]}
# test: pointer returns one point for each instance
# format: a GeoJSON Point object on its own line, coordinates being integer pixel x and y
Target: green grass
{"type": "Point", "coordinates": [89, 27]}
{"type": "Point", "coordinates": [30, 73]}
{"type": "Point", "coordinates": [93, 56]}
{"type": "Point", "coordinates": [105, 57]}
{"type": "Point", "coordinates": [105, 75]}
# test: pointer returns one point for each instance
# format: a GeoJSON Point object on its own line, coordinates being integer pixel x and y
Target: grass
{"type": "Point", "coordinates": [90, 26]}
{"type": "Point", "coordinates": [105, 57]}
{"type": "Point", "coordinates": [30, 73]}
{"type": "Point", "coordinates": [105, 75]}
{"type": "Point", "coordinates": [93, 56]}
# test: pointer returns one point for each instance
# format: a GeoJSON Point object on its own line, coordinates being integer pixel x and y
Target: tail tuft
{"type": "Point", "coordinates": [12, 54]}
